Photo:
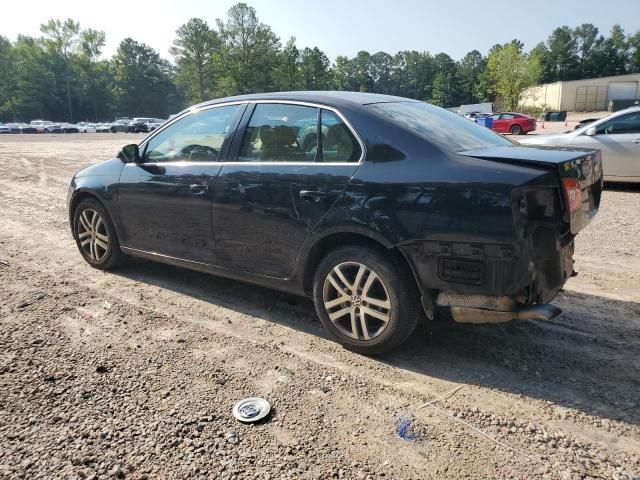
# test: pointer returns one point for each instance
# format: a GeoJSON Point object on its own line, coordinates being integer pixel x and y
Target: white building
{"type": "Point", "coordinates": [592, 94]}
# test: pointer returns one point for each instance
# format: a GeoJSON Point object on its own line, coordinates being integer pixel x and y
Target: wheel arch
{"type": "Point", "coordinates": [78, 197]}
{"type": "Point", "coordinates": [330, 241]}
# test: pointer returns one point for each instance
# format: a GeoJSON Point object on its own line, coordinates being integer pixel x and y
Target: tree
{"type": "Point", "coordinates": [142, 81]}
{"type": "Point", "coordinates": [634, 57]}
{"type": "Point", "coordinates": [585, 36]}
{"type": "Point", "coordinates": [288, 70]}
{"type": "Point", "coordinates": [473, 81]}
{"type": "Point", "coordinates": [314, 69]}
{"type": "Point", "coordinates": [381, 71]}
{"type": "Point", "coordinates": [511, 72]}
{"type": "Point", "coordinates": [195, 50]}
{"type": "Point", "coordinates": [249, 52]}
{"type": "Point", "coordinates": [546, 63]}
{"type": "Point", "coordinates": [444, 92]}
{"type": "Point", "coordinates": [562, 52]}
{"type": "Point", "coordinates": [8, 84]}
{"type": "Point", "coordinates": [36, 92]}
{"type": "Point", "coordinates": [61, 38]}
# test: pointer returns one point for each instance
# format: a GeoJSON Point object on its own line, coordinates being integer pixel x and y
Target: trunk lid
{"type": "Point", "coordinates": [579, 174]}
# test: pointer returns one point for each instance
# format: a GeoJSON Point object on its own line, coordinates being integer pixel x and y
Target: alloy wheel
{"type": "Point", "coordinates": [356, 301]}
{"type": "Point", "coordinates": [92, 234]}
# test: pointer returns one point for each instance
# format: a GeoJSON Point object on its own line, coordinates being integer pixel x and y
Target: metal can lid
{"type": "Point", "coordinates": [251, 409]}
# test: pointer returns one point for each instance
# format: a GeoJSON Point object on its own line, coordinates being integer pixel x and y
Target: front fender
{"type": "Point", "coordinates": [99, 181]}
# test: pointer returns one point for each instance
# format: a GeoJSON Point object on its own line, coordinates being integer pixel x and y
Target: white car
{"type": "Point", "coordinates": [155, 123]}
{"type": "Point", "coordinates": [45, 126]}
{"type": "Point", "coordinates": [86, 127]}
{"type": "Point", "coordinates": [617, 136]}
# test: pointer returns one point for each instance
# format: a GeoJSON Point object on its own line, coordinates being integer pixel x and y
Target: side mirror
{"type": "Point", "coordinates": [590, 132]}
{"type": "Point", "coordinates": [129, 153]}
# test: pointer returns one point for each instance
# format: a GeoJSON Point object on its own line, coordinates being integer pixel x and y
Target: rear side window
{"type": "Point", "coordinates": [196, 137]}
{"type": "Point", "coordinates": [281, 133]}
{"type": "Point", "coordinates": [447, 130]}
{"type": "Point", "coordinates": [338, 142]}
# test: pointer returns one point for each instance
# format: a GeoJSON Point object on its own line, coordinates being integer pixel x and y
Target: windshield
{"type": "Point", "coordinates": [448, 130]}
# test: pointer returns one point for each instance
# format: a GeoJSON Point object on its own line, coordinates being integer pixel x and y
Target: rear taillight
{"type": "Point", "coordinates": [572, 193]}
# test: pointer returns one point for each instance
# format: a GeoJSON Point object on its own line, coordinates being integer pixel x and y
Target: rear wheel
{"type": "Point", "coordinates": [516, 130]}
{"type": "Point", "coordinates": [368, 302]}
{"type": "Point", "coordinates": [95, 235]}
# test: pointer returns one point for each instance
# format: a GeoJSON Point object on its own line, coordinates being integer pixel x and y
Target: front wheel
{"type": "Point", "coordinates": [516, 130]}
{"type": "Point", "coordinates": [367, 301]}
{"type": "Point", "coordinates": [95, 235]}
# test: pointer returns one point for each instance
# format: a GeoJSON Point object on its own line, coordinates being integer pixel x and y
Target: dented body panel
{"type": "Point", "coordinates": [471, 212]}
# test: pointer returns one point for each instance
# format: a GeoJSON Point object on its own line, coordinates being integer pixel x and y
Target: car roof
{"type": "Point", "coordinates": [329, 98]}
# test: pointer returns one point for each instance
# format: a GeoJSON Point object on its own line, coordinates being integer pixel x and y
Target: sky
{"type": "Point", "coordinates": [338, 27]}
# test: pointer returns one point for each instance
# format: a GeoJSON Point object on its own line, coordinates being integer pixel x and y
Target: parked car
{"type": "Point", "coordinates": [617, 136]}
{"type": "Point", "coordinates": [86, 127]}
{"type": "Point", "coordinates": [584, 122]}
{"type": "Point", "coordinates": [21, 128]}
{"type": "Point", "coordinates": [403, 206]}
{"type": "Point", "coordinates": [4, 129]}
{"type": "Point", "coordinates": [155, 123]}
{"type": "Point", "coordinates": [103, 127]}
{"type": "Point", "coordinates": [45, 126]}
{"type": "Point", "coordinates": [139, 125]}
{"type": "Point", "coordinates": [120, 125]}
{"type": "Point", "coordinates": [69, 128]}
{"type": "Point", "coordinates": [514, 123]}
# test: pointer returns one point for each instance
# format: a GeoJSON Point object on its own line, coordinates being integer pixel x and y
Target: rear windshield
{"type": "Point", "coordinates": [448, 130]}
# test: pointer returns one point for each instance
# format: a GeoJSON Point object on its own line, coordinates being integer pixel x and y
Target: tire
{"type": "Point", "coordinates": [46, 130]}
{"type": "Point", "coordinates": [114, 130]}
{"type": "Point", "coordinates": [96, 236]}
{"type": "Point", "coordinates": [388, 322]}
{"type": "Point", "coordinates": [516, 130]}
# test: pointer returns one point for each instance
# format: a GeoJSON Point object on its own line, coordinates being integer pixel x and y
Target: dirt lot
{"type": "Point", "coordinates": [133, 373]}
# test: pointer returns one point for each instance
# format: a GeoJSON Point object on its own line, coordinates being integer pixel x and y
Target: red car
{"type": "Point", "coordinates": [515, 123]}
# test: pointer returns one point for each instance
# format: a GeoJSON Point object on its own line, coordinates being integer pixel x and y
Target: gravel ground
{"type": "Point", "coordinates": [133, 374]}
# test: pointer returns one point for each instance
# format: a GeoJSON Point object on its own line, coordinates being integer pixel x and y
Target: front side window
{"type": "Point", "coordinates": [629, 123]}
{"type": "Point", "coordinates": [280, 133]}
{"type": "Point", "coordinates": [197, 137]}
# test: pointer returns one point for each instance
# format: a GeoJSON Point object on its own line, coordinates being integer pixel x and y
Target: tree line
{"type": "Point", "coordinates": [62, 75]}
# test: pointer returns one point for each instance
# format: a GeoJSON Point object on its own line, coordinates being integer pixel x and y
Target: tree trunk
{"type": "Point", "coordinates": [69, 99]}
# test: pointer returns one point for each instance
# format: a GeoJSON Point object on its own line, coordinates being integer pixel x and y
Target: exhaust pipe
{"type": "Point", "coordinates": [479, 309]}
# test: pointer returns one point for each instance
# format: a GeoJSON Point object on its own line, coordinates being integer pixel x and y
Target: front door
{"type": "Point", "coordinates": [286, 170]}
{"type": "Point", "coordinates": [165, 200]}
{"type": "Point", "coordinates": [499, 124]}
{"type": "Point", "coordinates": [619, 140]}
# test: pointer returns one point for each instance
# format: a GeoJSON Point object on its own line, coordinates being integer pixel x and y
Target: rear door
{"type": "Point", "coordinates": [288, 164]}
{"type": "Point", "coordinates": [165, 200]}
{"type": "Point", "coordinates": [619, 140]}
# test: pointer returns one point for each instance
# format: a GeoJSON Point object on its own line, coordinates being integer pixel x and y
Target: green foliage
{"type": "Point", "coordinates": [196, 50]}
{"type": "Point", "coordinates": [62, 74]}
{"type": "Point", "coordinates": [249, 53]}
{"type": "Point", "coordinates": [511, 72]}
{"type": "Point", "coordinates": [142, 81]}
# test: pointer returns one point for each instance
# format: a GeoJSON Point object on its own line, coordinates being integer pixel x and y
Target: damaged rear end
{"type": "Point", "coordinates": [548, 213]}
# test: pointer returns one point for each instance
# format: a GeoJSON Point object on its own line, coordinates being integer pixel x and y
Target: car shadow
{"type": "Point", "coordinates": [587, 359]}
{"type": "Point", "coordinates": [622, 187]}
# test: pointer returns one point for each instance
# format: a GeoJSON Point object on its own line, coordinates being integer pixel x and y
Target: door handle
{"type": "Point", "coordinates": [198, 189]}
{"type": "Point", "coordinates": [312, 195]}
